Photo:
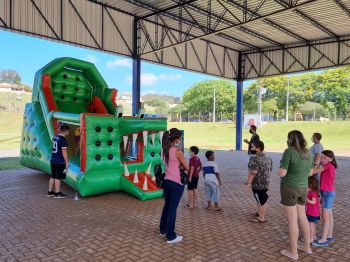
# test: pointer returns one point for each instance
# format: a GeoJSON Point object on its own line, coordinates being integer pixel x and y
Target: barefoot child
{"type": "Point", "coordinates": [329, 164]}
{"type": "Point", "coordinates": [195, 168]}
{"type": "Point", "coordinates": [312, 206]}
{"type": "Point", "coordinates": [211, 180]}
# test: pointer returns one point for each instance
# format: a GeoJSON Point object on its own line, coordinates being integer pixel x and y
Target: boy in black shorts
{"type": "Point", "coordinates": [195, 168]}
{"type": "Point", "coordinates": [59, 162]}
{"type": "Point", "coordinates": [260, 167]}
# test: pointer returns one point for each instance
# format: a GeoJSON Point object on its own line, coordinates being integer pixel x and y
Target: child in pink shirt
{"type": "Point", "coordinates": [329, 165]}
{"type": "Point", "coordinates": [312, 206]}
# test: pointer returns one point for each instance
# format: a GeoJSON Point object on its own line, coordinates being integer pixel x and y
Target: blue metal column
{"type": "Point", "coordinates": [239, 115]}
{"type": "Point", "coordinates": [136, 87]}
{"type": "Point", "coordinates": [239, 110]}
{"type": "Point", "coordinates": [136, 71]}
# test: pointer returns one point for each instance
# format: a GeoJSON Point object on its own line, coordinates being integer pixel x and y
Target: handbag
{"type": "Point", "coordinates": [159, 175]}
{"type": "Point", "coordinates": [183, 177]}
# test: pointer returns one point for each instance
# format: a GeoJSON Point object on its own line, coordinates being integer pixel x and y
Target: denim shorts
{"type": "Point", "coordinates": [327, 199]}
{"type": "Point", "coordinates": [212, 191]}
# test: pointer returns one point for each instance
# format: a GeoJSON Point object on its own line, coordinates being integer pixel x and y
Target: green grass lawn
{"type": "Point", "coordinates": [9, 163]}
{"type": "Point", "coordinates": [274, 135]}
{"type": "Point", "coordinates": [10, 130]}
{"type": "Point", "coordinates": [217, 135]}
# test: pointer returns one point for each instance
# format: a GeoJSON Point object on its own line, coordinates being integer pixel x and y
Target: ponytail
{"type": "Point", "coordinates": [166, 146]}
{"type": "Point", "coordinates": [169, 137]}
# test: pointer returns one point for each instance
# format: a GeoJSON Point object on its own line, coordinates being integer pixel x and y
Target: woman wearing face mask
{"type": "Point", "coordinates": [173, 188]}
{"type": "Point", "coordinates": [295, 168]}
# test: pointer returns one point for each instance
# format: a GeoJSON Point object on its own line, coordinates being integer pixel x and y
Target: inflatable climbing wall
{"type": "Point", "coordinates": [107, 152]}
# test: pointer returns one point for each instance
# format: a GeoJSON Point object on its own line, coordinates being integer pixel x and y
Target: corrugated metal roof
{"type": "Point", "coordinates": [273, 36]}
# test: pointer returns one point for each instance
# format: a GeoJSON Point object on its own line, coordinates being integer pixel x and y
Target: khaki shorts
{"type": "Point", "coordinates": [291, 196]}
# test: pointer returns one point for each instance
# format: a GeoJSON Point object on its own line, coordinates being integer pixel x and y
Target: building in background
{"type": "Point", "coordinates": [5, 87]}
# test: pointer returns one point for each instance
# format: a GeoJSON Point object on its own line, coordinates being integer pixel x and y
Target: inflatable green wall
{"type": "Point", "coordinates": [107, 152]}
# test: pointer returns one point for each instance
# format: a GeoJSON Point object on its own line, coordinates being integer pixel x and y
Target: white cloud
{"type": "Point", "coordinates": [119, 63]}
{"type": "Point", "coordinates": [150, 79]}
{"type": "Point", "coordinates": [170, 77]}
{"type": "Point", "coordinates": [91, 59]}
{"type": "Point", "coordinates": [147, 79]}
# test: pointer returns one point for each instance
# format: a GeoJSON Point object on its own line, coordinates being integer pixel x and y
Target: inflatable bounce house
{"type": "Point", "coordinates": [107, 151]}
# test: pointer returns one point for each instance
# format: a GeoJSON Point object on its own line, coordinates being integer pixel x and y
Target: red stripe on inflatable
{"type": "Point", "coordinates": [83, 143]}
{"type": "Point", "coordinates": [113, 97]}
{"type": "Point", "coordinates": [97, 106]}
{"type": "Point", "coordinates": [51, 104]}
{"type": "Point", "coordinates": [55, 126]}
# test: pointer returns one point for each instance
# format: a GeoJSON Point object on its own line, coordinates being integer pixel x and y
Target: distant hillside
{"type": "Point", "coordinates": [167, 99]}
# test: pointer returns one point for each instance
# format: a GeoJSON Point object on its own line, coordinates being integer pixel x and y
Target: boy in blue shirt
{"type": "Point", "coordinates": [59, 162]}
{"type": "Point", "coordinates": [211, 180]}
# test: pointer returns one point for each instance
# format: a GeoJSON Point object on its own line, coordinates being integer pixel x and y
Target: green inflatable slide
{"type": "Point", "coordinates": [107, 151]}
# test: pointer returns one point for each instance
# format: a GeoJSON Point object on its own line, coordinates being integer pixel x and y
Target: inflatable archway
{"type": "Point", "coordinates": [107, 152]}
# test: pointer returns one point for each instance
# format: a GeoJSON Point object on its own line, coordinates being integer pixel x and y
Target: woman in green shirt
{"type": "Point", "coordinates": [296, 166]}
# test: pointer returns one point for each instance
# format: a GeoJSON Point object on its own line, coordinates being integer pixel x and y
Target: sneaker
{"type": "Point", "coordinates": [59, 195]}
{"type": "Point", "coordinates": [320, 244]}
{"type": "Point", "coordinates": [330, 239]}
{"type": "Point", "coordinates": [177, 239]}
{"type": "Point", "coordinates": [50, 194]}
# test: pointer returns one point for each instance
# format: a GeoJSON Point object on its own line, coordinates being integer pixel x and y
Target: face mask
{"type": "Point", "coordinates": [252, 151]}
{"type": "Point", "coordinates": [177, 144]}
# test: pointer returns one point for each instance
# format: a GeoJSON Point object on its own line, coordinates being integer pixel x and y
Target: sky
{"type": "Point", "coordinates": [27, 54]}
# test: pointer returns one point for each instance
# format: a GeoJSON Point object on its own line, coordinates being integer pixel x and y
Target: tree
{"type": "Point", "coordinates": [269, 106]}
{"type": "Point", "coordinates": [150, 97]}
{"type": "Point", "coordinates": [177, 110]}
{"type": "Point", "coordinates": [300, 88]}
{"type": "Point", "coordinates": [161, 110]}
{"type": "Point", "coordinates": [156, 102]}
{"type": "Point", "coordinates": [335, 88]}
{"type": "Point", "coordinates": [199, 98]}
{"type": "Point", "coordinates": [312, 109]}
{"type": "Point", "coordinates": [10, 76]}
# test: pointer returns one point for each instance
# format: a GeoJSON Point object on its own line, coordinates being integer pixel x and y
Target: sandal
{"type": "Point", "coordinates": [257, 220]}
{"type": "Point", "coordinates": [287, 254]}
{"type": "Point", "coordinates": [305, 250]}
